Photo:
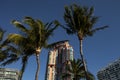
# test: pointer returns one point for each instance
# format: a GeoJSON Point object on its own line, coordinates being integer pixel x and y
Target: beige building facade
{"type": "Point", "coordinates": [58, 57]}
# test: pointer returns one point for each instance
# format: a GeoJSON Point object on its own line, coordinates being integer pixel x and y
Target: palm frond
{"type": "Point", "coordinates": [40, 24]}
{"type": "Point", "coordinates": [51, 27]}
{"type": "Point", "coordinates": [100, 28]}
{"type": "Point", "coordinates": [50, 30]}
{"type": "Point", "coordinates": [64, 75]}
{"type": "Point", "coordinates": [1, 34]}
{"type": "Point", "coordinates": [90, 12]}
{"type": "Point", "coordinates": [16, 39]}
{"type": "Point", "coordinates": [12, 58]}
{"type": "Point", "coordinates": [93, 21]}
{"type": "Point", "coordinates": [4, 44]}
{"type": "Point", "coordinates": [19, 26]}
{"type": "Point", "coordinates": [7, 50]}
{"type": "Point", "coordinates": [91, 76]}
{"type": "Point", "coordinates": [46, 32]}
{"type": "Point", "coordinates": [31, 22]}
{"type": "Point", "coordinates": [3, 56]}
{"type": "Point", "coordinates": [70, 21]}
{"type": "Point", "coordinates": [13, 49]}
{"type": "Point", "coordinates": [69, 31]}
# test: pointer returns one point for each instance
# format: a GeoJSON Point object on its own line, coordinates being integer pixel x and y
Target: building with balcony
{"type": "Point", "coordinates": [9, 74]}
{"type": "Point", "coordinates": [58, 57]}
{"type": "Point", "coordinates": [111, 72]}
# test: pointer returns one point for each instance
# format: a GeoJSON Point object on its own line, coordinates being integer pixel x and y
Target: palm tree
{"type": "Point", "coordinates": [76, 70]}
{"type": "Point", "coordinates": [32, 40]}
{"type": "Point", "coordinates": [80, 21]}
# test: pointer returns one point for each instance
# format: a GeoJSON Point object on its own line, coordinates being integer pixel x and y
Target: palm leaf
{"type": "Point", "coordinates": [1, 34]}
{"type": "Point", "coordinates": [32, 23]}
{"type": "Point", "coordinates": [12, 58]}
{"type": "Point", "coordinates": [3, 56]}
{"type": "Point", "coordinates": [100, 28]}
{"type": "Point", "coordinates": [16, 39]}
{"type": "Point", "coordinates": [19, 26]}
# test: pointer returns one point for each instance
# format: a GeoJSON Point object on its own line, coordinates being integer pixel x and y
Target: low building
{"type": "Point", "coordinates": [9, 74]}
{"type": "Point", "coordinates": [111, 72]}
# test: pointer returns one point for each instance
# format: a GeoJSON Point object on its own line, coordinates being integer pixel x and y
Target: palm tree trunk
{"type": "Point", "coordinates": [82, 57]}
{"type": "Point", "coordinates": [38, 66]}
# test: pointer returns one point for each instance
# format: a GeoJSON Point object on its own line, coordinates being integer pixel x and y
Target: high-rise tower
{"type": "Point", "coordinates": [110, 72]}
{"type": "Point", "coordinates": [58, 57]}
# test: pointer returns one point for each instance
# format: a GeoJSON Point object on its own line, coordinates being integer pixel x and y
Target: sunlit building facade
{"type": "Point", "coordinates": [111, 72]}
{"type": "Point", "coordinates": [58, 57]}
{"type": "Point", "coordinates": [9, 74]}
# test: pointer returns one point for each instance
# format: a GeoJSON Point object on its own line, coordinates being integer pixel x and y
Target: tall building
{"type": "Point", "coordinates": [58, 57]}
{"type": "Point", "coordinates": [9, 74]}
{"type": "Point", "coordinates": [111, 72]}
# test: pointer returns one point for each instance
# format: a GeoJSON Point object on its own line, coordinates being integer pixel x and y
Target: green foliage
{"type": "Point", "coordinates": [80, 20]}
{"type": "Point", "coordinates": [76, 70]}
{"type": "Point", "coordinates": [34, 37]}
{"type": "Point", "coordinates": [5, 49]}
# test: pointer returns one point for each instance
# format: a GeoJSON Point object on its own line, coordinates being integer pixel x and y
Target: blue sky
{"type": "Point", "coordinates": [99, 50]}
